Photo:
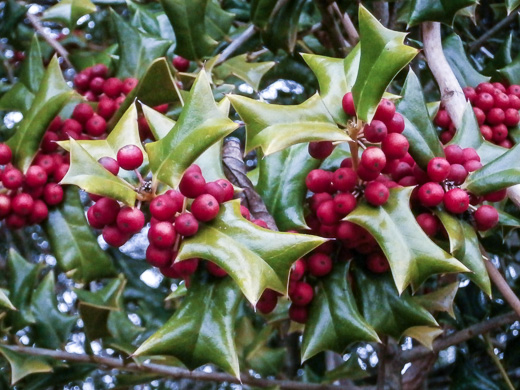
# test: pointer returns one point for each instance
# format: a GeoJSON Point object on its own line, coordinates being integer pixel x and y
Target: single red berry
{"type": "Point", "coordinates": [96, 85]}
{"type": "Point", "coordinates": [71, 126]}
{"type": "Point", "coordinates": [485, 101]}
{"type": "Point", "coordinates": [511, 117]}
{"type": "Point", "coordinates": [319, 180]}
{"type": "Point", "coordinates": [106, 108]}
{"type": "Point", "coordinates": [162, 234]}
{"type": "Point", "coordinates": [162, 108]}
{"type": "Point", "coordinates": [402, 169]}
{"type": "Point", "coordinates": [90, 96]}
{"type": "Point", "coordinates": [373, 159]}
{"type": "Point", "coordinates": [367, 174]}
{"type": "Point", "coordinates": [319, 264]}
{"type": "Point", "coordinates": [186, 268]}
{"type": "Point", "coordinates": [130, 220]}
{"type": "Point", "coordinates": [514, 101]}
{"type": "Point", "coordinates": [430, 194]}
{"type": "Point", "coordinates": [457, 174]}
{"type": "Point", "coordinates": [346, 163]}
{"type": "Point", "coordinates": [396, 124]}
{"type": "Point", "coordinates": [501, 100]}
{"type": "Point", "coordinates": [181, 64]}
{"type": "Point", "coordinates": [302, 294]}
{"type": "Point", "coordinates": [500, 132]}
{"type": "Point", "coordinates": [22, 204]}
{"type": "Point", "coordinates": [215, 190]}
{"type": "Point", "coordinates": [12, 178]}
{"type": "Point", "coordinates": [344, 179]}
{"type": "Point", "coordinates": [49, 144]}
{"type": "Point", "coordinates": [81, 81]}
{"type": "Point", "coordinates": [40, 212]}
{"type": "Point", "coordinates": [5, 154]}
{"type": "Point", "coordinates": [105, 211]}
{"type": "Point", "coordinates": [480, 115]}
{"type": "Point", "coordinates": [377, 263]}
{"type": "Point", "coordinates": [470, 154]}
{"type": "Point", "coordinates": [114, 237]}
{"type": "Point", "coordinates": [407, 181]}
{"type": "Point", "coordinates": [376, 193]}
{"type": "Point", "coordinates": [205, 207]}
{"type": "Point", "coordinates": [82, 112]}
{"type": "Point", "coordinates": [438, 169]}
{"type": "Point", "coordinates": [499, 86]}
{"type": "Point", "coordinates": [376, 131]}
{"type": "Point", "coordinates": [348, 104]}
{"type": "Point", "coordinates": [514, 89]}
{"type": "Point", "coordinates": [163, 208]}
{"type": "Point", "coordinates": [298, 270]}
{"type": "Point", "coordinates": [96, 126]}
{"type": "Point", "coordinates": [244, 211]}
{"type": "Point", "coordinates": [506, 143]}
{"type": "Point", "coordinates": [328, 231]}
{"type": "Point", "coordinates": [128, 85]}
{"type": "Point", "coordinates": [472, 165]}
{"type": "Point", "coordinates": [92, 220]}
{"type": "Point", "coordinates": [5, 205]}
{"type": "Point", "coordinates": [178, 199]}
{"type": "Point", "coordinates": [215, 270]}
{"type": "Point", "coordinates": [487, 132]}
{"type": "Point", "coordinates": [130, 157]}
{"type": "Point", "coordinates": [169, 271]}
{"type": "Point", "coordinates": [454, 154]}
{"type": "Point", "coordinates": [428, 223]}
{"type": "Point", "coordinates": [320, 150]}
{"type": "Point", "coordinates": [486, 217]}
{"type": "Point", "coordinates": [99, 70]}
{"type": "Point", "coordinates": [395, 145]}
{"type": "Point", "coordinates": [442, 119]}
{"type": "Point", "coordinates": [267, 302]}
{"type": "Point", "coordinates": [228, 189]}
{"type": "Point", "coordinates": [496, 196]}
{"type": "Point", "coordinates": [261, 223]}
{"type": "Point", "coordinates": [485, 87]}
{"type": "Point", "coordinates": [470, 93]}
{"type": "Point", "coordinates": [299, 314]}
{"type": "Point", "coordinates": [192, 184]}
{"type": "Point", "coordinates": [385, 110]}
{"type": "Point", "coordinates": [158, 257]}
{"type": "Point", "coordinates": [36, 176]}
{"type": "Point", "coordinates": [186, 225]}
{"type": "Point", "coordinates": [112, 87]}
{"type": "Point", "coordinates": [456, 201]}
{"type": "Point", "coordinates": [326, 213]}
{"type": "Point", "coordinates": [15, 221]}
{"type": "Point", "coordinates": [110, 164]}
{"type": "Point", "coordinates": [52, 194]}
{"type": "Point", "coordinates": [495, 116]}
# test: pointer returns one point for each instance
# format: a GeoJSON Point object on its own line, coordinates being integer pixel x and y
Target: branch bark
{"type": "Point", "coordinates": [348, 26]}
{"type": "Point", "coordinates": [329, 23]}
{"type": "Point", "coordinates": [499, 281]}
{"type": "Point", "coordinates": [237, 42]}
{"type": "Point", "coordinates": [492, 31]}
{"type": "Point", "coordinates": [452, 96]}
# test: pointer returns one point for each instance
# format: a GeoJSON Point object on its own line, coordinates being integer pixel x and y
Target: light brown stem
{"type": "Point", "coordinates": [506, 291]}
{"type": "Point", "coordinates": [348, 26]}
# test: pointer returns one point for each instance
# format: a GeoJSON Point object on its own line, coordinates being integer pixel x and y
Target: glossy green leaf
{"type": "Point", "coordinates": [137, 49]}
{"type": "Point", "coordinates": [511, 71]}
{"type": "Point", "coordinates": [350, 369]}
{"type": "Point", "coordinates": [387, 311]}
{"type": "Point", "coordinates": [282, 30]}
{"type": "Point", "coordinates": [383, 55]}
{"type": "Point", "coordinates": [336, 77]}
{"type": "Point", "coordinates": [460, 64]}
{"type": "Point", "coordinates": [23, 365]}
{"type": "Point", "coordinates": [275, 127]}
{"type": "Point", "coordinates": [261, 10]}
{"type": "Point", "coordinates": [436, 10]}
{"type": "Point", "coordinates": [218, 22]}
{"type": "Point", "coordinates": [440, 299]}
{"type": "Point", "coordinates": [52, 328]}
{"type": "Point", "coordinates": [500, 173]}
{"type": "Point", "coordinates": [465, 246]}
{"type": "Point", "coordinates": [334, 319]}
{"type": "Point", "coordinates": [52, 95]}
{"type": "Point", "coordinates": [424, 334]}
{"type": "Point", "coordinates": [258, 354]}
{"type": "Point", "coordinates": [86, 173]}
{"type": "Point", "coordinates": [17, 98]}
{"type": "Point", "coordinates": [68, 12]}
{"type": "Point", "coordinates": [250, 72]}
{"type": "Point", "coordinates": [512, 5]}
{"type": "Point", "coordinates": [160, 124]}
{"type": "Point", "coordinates": [413, 257]}
{"type": "Point", "coordinates": [256, 258]}
{"type": "Point", "coordinates": [201, 330]}
{"type": "Point", "coordinates": [281, 184]}
{"type": "Point", "coordinates": [424, 141]}
{"type": "Point", "coordinates": [188, 19]}
{"type": "Point", "coordinates": [200, 125]}
{"type": "Point", "coordinates": [5, 302]}
{"type": "Point", "coordinates": [22, 281]}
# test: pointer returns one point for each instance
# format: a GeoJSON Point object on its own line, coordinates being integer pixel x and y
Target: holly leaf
{"type": "Point", "coordinates": [334, 319]}
{"type": "Point", "coordinates": [261, 10]}
{"type": "Point", "coordinates": [350, 369]}
{"type": "Point", "coordinates": [86, 173]}
{"type": "Point", "coordinates": [281, 185]}
{"type": "Point", "coordinates": [52, 327]}
{"type": "Point", "coordinates": [258, 355]}
{"type": "Point", "coordinates": [440, 299]}
{"type": "Point", "coordinates": [383, 55]}
{"type": "Point", "coordinates": [137, 49]}
{"type": "Point", "coordinates": [424, 334]}
{"type": "Point", "coordinates": [511, 71]}
{"type": "Point", "coordinates": [512, 5]}
{"type": "Point", "coordinates": [436, 10]}
{"type": "Point", "coordinates": [201, 331]}
{"type": "Point", "coordinates": [218, 22]}
{"type": "Point", "coordinates": [200, 125]}
{"type": "Point", "coordinates": [23, 365]}
{"type": "Point", "coordinates": [68, 12]}
{"type": "Point", "coordinates": [5, 302]}
{"type": "Point", "coordinates": [465, 246]}
{"type": "Point", "coordinates": [424, 142]}
{"type": "Point", "coordinates": [250, 72]}
{"type": "Point", "coordinates": [52, 95]}
{"type": "Point", "coordinates": [272, 127]}
{"type": "Point", "coordinates": [256, 258]}
{"type": "Point", "coordinates": [335, 77]}
{"type": "Point", "coordinates": [386, 310]}
{"type": "Point", "coordinates": [282, 30]}
{"type": "Point", "coordinates": [460, 64]}
{"type": "Point", "coordinates": [188, 19]}
{"type": "Point", "coordinates": [413, 257]}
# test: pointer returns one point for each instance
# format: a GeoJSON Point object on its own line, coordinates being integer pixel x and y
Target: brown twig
{"type": "Point", "coordinates": [492, 31]}
{"type": "Point", "coordinates": [348, 26]}
{"type": "Point", "coordinates": [33, 19]}
{"type": "Point", "coordinates": [506, 291]}
{"type": "Point", "coordinates": [237, 42]}
{"type": "Point", "coordinates": [329, 23]}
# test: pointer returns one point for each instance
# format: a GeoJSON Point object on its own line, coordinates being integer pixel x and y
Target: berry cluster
{"type": "Point", "coordinates": [496, 109]}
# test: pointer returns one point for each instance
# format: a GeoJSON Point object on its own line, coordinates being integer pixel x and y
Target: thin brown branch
{"type": "Point", "coordinates": [460, 336]}
{"type": "Point", "coordinates": [33, 19]}
{"type": "Point", "coordinates": [237, 42]}
{"type": "Point", "coordinates": [381, 12]}
{"type": "Point", "coordinates": [348, 26]}
{"type": "Point", "coordinates": [166, 371]}
{"type": "Point", "coordinates": [474, 46]}
{"type": "Point", "coordinates": [506, 291]}
{"type": "Point", "coordinates": [452, 96]}
{"type": "Point", "coordinates": [329, 23]}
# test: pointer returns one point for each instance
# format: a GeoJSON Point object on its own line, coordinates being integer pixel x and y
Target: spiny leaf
{"type": "Point", "coordinates": [201, 330]}
{"type": "Point", "coordinates": [5, 302]}
{"type": "Point", "coordinates": [436, 10]}
{"type": "Point", "coordinates": [188, 21]}
{"type": "Point", "coordinates": [383, 55]}
{"type": "Point", "coordinates": [218, 22]}
{"type": "Point", "coordinates": [424, 142]}
{"type": "Point", "coordinates": [334, 319]}
{"type": "Point", "coordinates": [282, 30]}
{"type": "Point", "coordinates": [275, 127]}
{"type": "Point", "coordinates": [250, 72]}
{"type": "Point", "coordinates": [413, 257]}
{"type": "Point", "coordinates": [200, 125]}
{"type": "Point", "coordinates": [424, 334]}
{"type": "Point", "coordinates": [261, 10]}
{"type": "Point", "coordinates": [23, 365]}
{"type": "Point", "coordinates": [281, 184]}
{"type": "Point", "coordinates": [440, 299]}
{"type": "Point", "coordinates": [511, 5]}
{"type": "Point", "coordinates": [52, 95]}
{"type": "Point", "coordinates": [68, 12]}
{"type": "Point", "coordinates": [86, 173]}
{"type": "Point", "coordinates": [256, 258]}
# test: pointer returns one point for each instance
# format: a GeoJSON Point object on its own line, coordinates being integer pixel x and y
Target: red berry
{"type": "Point", "coordinates": [373, 159]}
{"type": "Point", "coordinates": [344, 204]}
{"type": "Point", "coordinates": [5, 205]}
{"type": "Point", "coordinates": [158, 257]}
{"type": "Point", "coordinates": [112, 87]}
{"type": "Point", "coordinates": [470, 154]}
{"type": "Point", "coordinates": [92, 219]}
{"type": "Point", "coordinates": [430, 194]}
{"type": "Point", "coordinates": [344, 179]}
{"type": "Point", "coordinates": [346, 163]}
{"type": "Point", "coordinates": [319, 180]}
{"type": "Point", "coordinates": [486, 217]}
{"type": "Point", "coordinates": [385, 110]}
{"type": "Point", "coordinates": [472, 165]}
{"type": "Point", "coordinates": [319, 264]}
{"type": "Point", "coordinates": [261, 223]}
{"type": "Point", "coordinates": [114, 237]}
{"type": "Point", "coordinates": [215, 270]}
{"type": "Point", "coordinates": [128, 85]}
{"type": "Point", "coordinates": [106, 108]}
{"type": "Point", "coordinates": [99, 70]}
{"type": "Point", "coordinates": [495, 116]}
{"type": "Point", "coordinates": [486, 132]}
{"type": "Point", "coordinates": [15, 221]}
{"type": "Point", "coordinates": [457, 174]}
{"type": "Point", "coordinates": [326, 213]}
{"type": "Point", "coordinates": [480, 115]}
{"type": "Point", "coordinates": [454, 154]}
{"type": "Point", "coordinates": [396, 124]}
{"type": "Point", "coordinates": [81, 81]}
{"type": "Point", "coordinates": [401, 170]}
{"type": "Point", "coordinates": [205, 207]}
{"type": "Point", "coordinates": [500, 132]}
{"type": "Point", "coordinates": [169, 271]}
{"type": "Point", "coordinates": [130, 220]}
{"type": "Point", "coordinates": [96, 85]}
{"type": "Point", "coordinates": [22, 204]}
{"type": "Point", "coordinates": [511, 117]}
{"type": "Point", "coordinates": [485, 101]}
{"type": "Point", "coordinates": [377, 263]}
{"type": "Point", "coordinates": [186, 268]}
{"type": "Point", "coordinates": [428, 223]}
{"type": "Point", "coordinates": [267, 301]}
{"type": "Point", "coordinates": [228, 189]}
{"type": "Point", "coordinates": [215, 190]}
{"type": "Point", "coordinates": [40, 212]}
{"type": "Point", "coordinates": [442, 119]}
{"type": "Point", "coordinates": [181, 64]}
{"type": "Point", "coordinates": [514, 89]}
{"type": "Point", "coordinates": [395, 145]}
{"type": "Point", "coordinates": [501, 101]}
{"type": "Point", "coordinates": [52, 194]}
{"type": "Point", "coordinates": [96, 126]}
{"type": "Point", "coordinates": [438, 169]}
{"type": "Point", "coordinates": [376, 193]}
{"type": "Point", "coordinates": [110, 165]}
{"type": "Point", "coordinates": [499, 86]}
{"type": "Point", "coordinates": [186, 225]}
{"type": "Point", "coordinates": [12, 178]}
{"type": "Point", "coordinates": [49, 144]}
{"type": "Point", "coordinates": [244, 211]}
{"type": "Point", "coordinates": [348, 104]}
{"type": "Point", "coordinates": [375, 131]}
{"type": "Point", "coordinates": [456, 201]}
{"type": "Point", "coordinates": [298, 314]}
{"type": "Point", "coordinates": [162, 234]}
{"type": "Point", "coordinates": [302, 294]}
{"type": "Point", "coordinates": [514, 101]}
{"type": "Point", "coordinates": [470, 93]}
{"type": "Point", "coordinates": [298, 270]}
{"type": "Point", "coordinates": [36, 176]}
{"type": "Point", "coordinates": [321, 150]}
{"type": "Point", "coordinates": [506, 143]}
{"type": "Point", "coordinates": [192, 184]}
{"type": "Point", "coordinates": [105, 211]}
{"type": "Point", "coordinates": [420, 175]}
{"type": "Point", "coordinates": [178, 199]}
{"type": "Point", "coordinates": [496, 196]}
{"type": "Point", "coordinates": [5, 154]}
{"type": "Point", "coordinates": [366, 174]}
{"type": "Point", "coordinates": [82, 112]}
{"type": "Point", "coordinates": [130, 157]}
{"type": "Point", "coordinates": [485, 87]}
{"type": "Point", "coordinates": [71, 126]}
{"type": "Point", "coordinates": [163, 208]}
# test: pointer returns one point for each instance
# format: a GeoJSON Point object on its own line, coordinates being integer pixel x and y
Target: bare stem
{"type": "Point", "coordinates": [499, 281]}
{"type": "Point", "coordinates": [329, 23]}
{"type": "Point", "coordinates": [237, 42]}
{"type": "Point", "coordinates": [348, 26]}
{"type": "Point", "coordinates": [492, 31]}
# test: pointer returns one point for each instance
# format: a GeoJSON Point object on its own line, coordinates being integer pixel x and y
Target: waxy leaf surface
{"type": "Point", "coordinates": [23, 365]}
{"type": "Point", "coordinates": [250, 72]}
{"type": "Point", "coordinates": [436, 10]}
{"type": "Point", "coordinates": [440, 299]}
{"type": "Point", "coordinates": [460, 64]}
{"type": "Point", "coordinates": [68, 12]}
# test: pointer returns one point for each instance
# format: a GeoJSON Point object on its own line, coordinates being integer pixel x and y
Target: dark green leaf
{"type": "Point", "coordinates": [351, 369]}
{"type": "Point", "coordinates": [275, 127]}
{"type": "Point", "coordinates": [137, 49]}
{"type": "Point", "coordinates": [256, 258]}
{"type": "Point", "coordinates": [511, 71]}
{"type": "Point", "coordinates": [281, 184]}
{"type": "Point", "coordinates": [52, 327]}
{"type": "Point", "coordinates": [424, 142]}
{"type": "Point", "coordinates": [250, 72]}
{"type": "Point", "coordinates": [511, 5]}
{"type": "Point", "coordinates": [261, 10]}
{"type": "Point", "coordinates": [436, 10]}
{"type": "Point", "coordinates": [259, 356]}
{"type": "Point", "coordinates": [460, 64]}
{"type": "Point", "coordinates": [334, 319]}
{"type": "Point", "coordinates": [5, 302]}
{"type": "Point", "coordinates": [23, 365]}
{"type": "Point", "coordinates": [200, 125]}
{"type": "Point", "coordinates": [17, 98]}
{"type": "Point", "coordinates": [282, 30]}
{"type": "Point", "coordinates": [440, 299]}
{"type": "Point", "coordinates": [32, 71]}
{"type": "Point", "coordinates": [201, 330]}
{"type": "Point", "coordinates": [188, 18]}
{"type": "Point", "coordinates": [218, 22]}
{"type": "Point", "coordinates": [68, 12]}
{"type": "Point", "coordinates": [52, 95]}
{"type": "Point", "coordinates": [413, 257]}
{"type": "Point", "coordinates": [383, 55]}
